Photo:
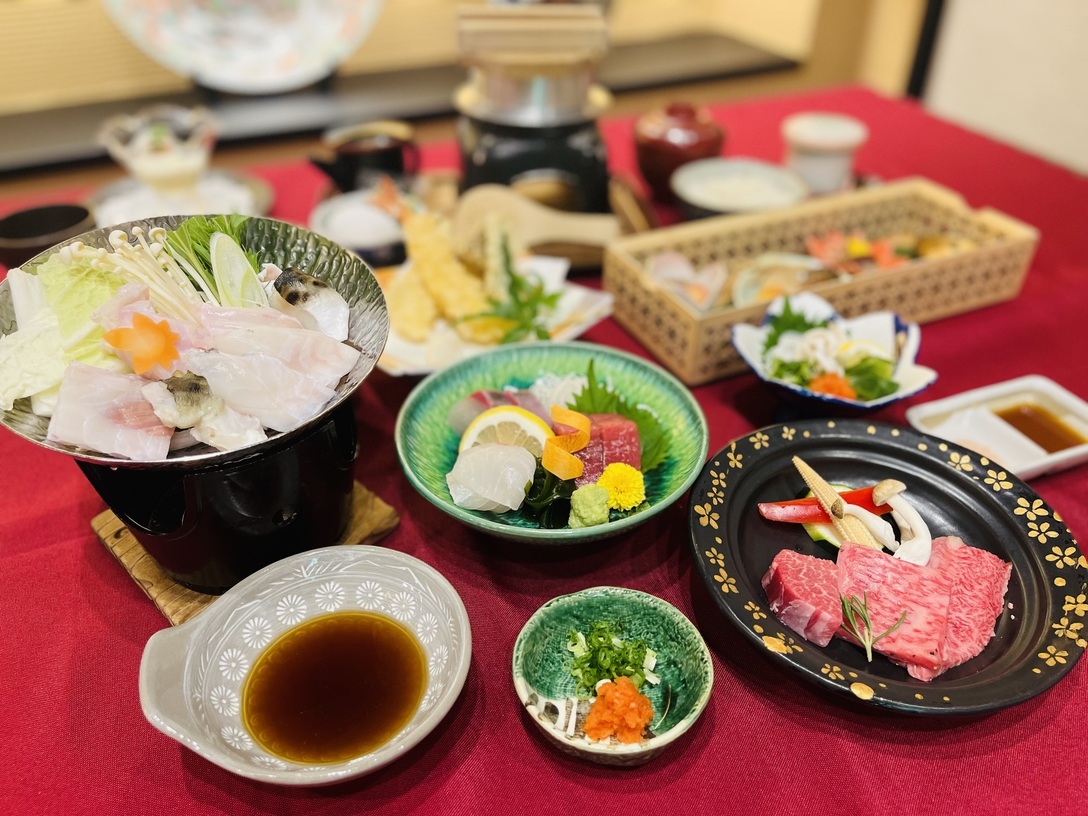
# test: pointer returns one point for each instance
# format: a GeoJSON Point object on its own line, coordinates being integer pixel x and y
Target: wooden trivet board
{"type": "Point", "coordinates": [371, 520]}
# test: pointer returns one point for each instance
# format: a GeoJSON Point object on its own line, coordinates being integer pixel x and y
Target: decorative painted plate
{"type": "Point", "coordinates": [427, 446]}
{"type": "Point", "coordinates": [244, 47]}
{"type": "Point", "coordinates": [1039, 635]}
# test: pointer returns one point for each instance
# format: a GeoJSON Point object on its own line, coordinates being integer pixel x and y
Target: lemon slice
{"type": "Point", "coordinates": [235, 278]}
{"type": "Point", "coordinates": [853, 351]}
{"type": "Point", "coordinates": [508, 425]}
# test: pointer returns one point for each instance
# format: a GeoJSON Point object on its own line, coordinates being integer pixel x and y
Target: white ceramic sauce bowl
{"type": "Point", "coordinates": [192, 676]}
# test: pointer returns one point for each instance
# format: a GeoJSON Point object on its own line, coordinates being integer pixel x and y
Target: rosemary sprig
{"type": "Point", "coordinates": [856, 621]}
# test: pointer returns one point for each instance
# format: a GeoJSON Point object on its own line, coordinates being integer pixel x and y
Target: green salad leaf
{"type": "Point", "coordinates": [798, 372]}
{"type": "Point", "coordinates": [871, 378]}
{"type": "Point", "coordinates": [596, 398]}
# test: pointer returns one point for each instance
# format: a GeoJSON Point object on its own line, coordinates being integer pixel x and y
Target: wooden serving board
{"type": "Point", "coordinates": [371, 520]}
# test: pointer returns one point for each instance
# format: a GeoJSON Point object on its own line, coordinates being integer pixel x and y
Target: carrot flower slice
{"type": "Point", "coordinates": [147, 342]}
{"type": "Point", "coordinates": [559, 450]}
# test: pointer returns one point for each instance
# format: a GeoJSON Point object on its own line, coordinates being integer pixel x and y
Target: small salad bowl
{"type": "Point", "coordinates": [876, 334]}
{"type": "Point", "coordinates": [192, 677]}
{"type": "Point", "coordinates": [546, 687]}
{"type": "Point", "coordinates": [428, 447]}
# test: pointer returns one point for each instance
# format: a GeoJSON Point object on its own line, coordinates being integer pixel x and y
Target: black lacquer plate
{"type": "Point", "coordinates": [1039, 635]}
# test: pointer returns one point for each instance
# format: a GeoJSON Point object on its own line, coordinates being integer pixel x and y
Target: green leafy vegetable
{"type": "Point", "coordinates": [74, 290]}
{"type": "Point", "coordinates": [601, 654]}
{"type": "Point", "coordinates": [189, 243]}
{"type": "Point", "coordinates": [595, 398]}
{"type": "Point", "coordinates": [788, 320]}
{"type": "Point", "coordinates": [871, 378]}
{"type": "Point", "coordinates": [798, 372]}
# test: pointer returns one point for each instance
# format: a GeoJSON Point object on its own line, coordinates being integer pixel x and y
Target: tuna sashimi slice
{"type": "Point", "coordinates": [612, 438]}
{"type": "Point", "coordinates": [892, 587]}
{"type": "Point", "coordinates": [979, 580]}
{"type": "Point", "coordinates": [803, 592]}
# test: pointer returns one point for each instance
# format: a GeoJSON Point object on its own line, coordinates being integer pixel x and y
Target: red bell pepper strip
{"type": "Point", "coordinates": [809, 511]}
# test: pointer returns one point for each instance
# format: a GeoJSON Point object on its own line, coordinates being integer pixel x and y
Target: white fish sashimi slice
{"type": "Point", "coordinates": [119, 311]}
{"type": "Point", "coordinates": [318, 356]}
{"type": "Point", "coordinates": [106, 411]}
{"type": "Point", "coordinates": [492, 477]}
{"type": "Point", "coordinates": [262, 386]}
{"type": "Point", "coordinates": [223, 318]}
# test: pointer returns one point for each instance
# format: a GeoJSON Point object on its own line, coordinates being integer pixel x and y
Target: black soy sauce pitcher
{"type": "Point", "coordinates": [358, 155]}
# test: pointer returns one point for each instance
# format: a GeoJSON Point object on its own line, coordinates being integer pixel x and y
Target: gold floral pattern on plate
{"type": "Point", "coordinates": [1041, 633]}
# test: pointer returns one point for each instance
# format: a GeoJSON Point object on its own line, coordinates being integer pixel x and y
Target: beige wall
{"type": "Point", "coordinates": [58, 53]}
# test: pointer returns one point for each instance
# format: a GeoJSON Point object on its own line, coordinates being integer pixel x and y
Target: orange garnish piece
{"type": "Point", "coordinates": [559, 450]}
{"type": "Point", "coordinates": [147, 342]}
{"type": "Point", "coordinates": [834, 385]}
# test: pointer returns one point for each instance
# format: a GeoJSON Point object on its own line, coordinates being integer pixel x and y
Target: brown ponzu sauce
{"type": "Point", "coordinates": [1041, 426]}
{"type": "Point", "coordinates": [334, 687]}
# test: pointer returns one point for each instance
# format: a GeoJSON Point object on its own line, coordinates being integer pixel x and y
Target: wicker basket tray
{"type": "Point", "coordinates": [697, 347]}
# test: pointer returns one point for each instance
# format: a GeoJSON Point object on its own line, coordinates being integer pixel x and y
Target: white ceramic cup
{"type": "Point", "coordinates": [820, 147]}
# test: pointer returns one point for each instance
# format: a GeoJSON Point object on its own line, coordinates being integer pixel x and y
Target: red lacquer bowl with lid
{"type": "Point", "coordinates": [669, 137]}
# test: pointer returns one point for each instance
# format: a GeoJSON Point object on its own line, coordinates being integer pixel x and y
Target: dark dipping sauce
{"type": "Point", "coordinates": [334, 688]}
{"type": "Point", "coordinates": [1041, 426]}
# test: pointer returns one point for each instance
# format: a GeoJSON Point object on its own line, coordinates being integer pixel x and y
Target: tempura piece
{"type": "Point", "coordinates": [412, 310]}
{"type": "Point", "coordinates": [458, 293]}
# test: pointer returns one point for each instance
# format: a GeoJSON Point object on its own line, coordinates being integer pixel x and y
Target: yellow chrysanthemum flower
{"type": "Point", "coordinates": [625, 486]}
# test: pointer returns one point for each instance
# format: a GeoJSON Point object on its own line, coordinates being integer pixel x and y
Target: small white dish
{"type": "Point", "coordinates": [899, 340]}
{"type": "Point", "coordinates": [970, 419]}
{"type": "Point", "coordinates": [716, 186]}
{"type": "Point", "coordinates": [192, 676]}
{"type": "Point", "coordinates": [357, 224]}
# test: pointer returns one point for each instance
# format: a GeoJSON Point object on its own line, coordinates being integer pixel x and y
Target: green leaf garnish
{"type": "Point", "coordinates": [527, 307]}
{"type": "Point", "coordinates": [788, 320]}
{"type": "Point", "coordinates": [595, 398]}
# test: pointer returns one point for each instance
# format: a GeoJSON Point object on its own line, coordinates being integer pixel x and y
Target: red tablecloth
{"type": "Point", "coordinates": [74, 624]}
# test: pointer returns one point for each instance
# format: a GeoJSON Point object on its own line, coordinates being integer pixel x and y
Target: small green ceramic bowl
{"type": "Point", "coordinates": [544, 684]}
{"type": "Point", "coordinates": [427, 446]}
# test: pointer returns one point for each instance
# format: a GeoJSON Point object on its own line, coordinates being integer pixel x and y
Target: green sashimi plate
{"type": "Point", "coordinates": [427, 446]}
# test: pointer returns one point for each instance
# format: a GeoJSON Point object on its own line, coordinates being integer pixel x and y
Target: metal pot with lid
{"type": "Point", "coordinates": [529, 108]}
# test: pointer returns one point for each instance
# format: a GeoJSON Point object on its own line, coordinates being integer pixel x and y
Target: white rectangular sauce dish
{"type": "Point", "coordinates": [972, 419]}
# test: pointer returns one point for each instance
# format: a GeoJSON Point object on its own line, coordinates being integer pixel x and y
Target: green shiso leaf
{"type": "Point", "coordinates": [788, 320]}
{"type": "Point", "coordinates": [595, 398]}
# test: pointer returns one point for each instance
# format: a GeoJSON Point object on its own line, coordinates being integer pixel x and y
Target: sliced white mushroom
{"type": "Point", "coordinates": [881, 530]}
{"type": "Point", "coordinates": [916, 542]}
